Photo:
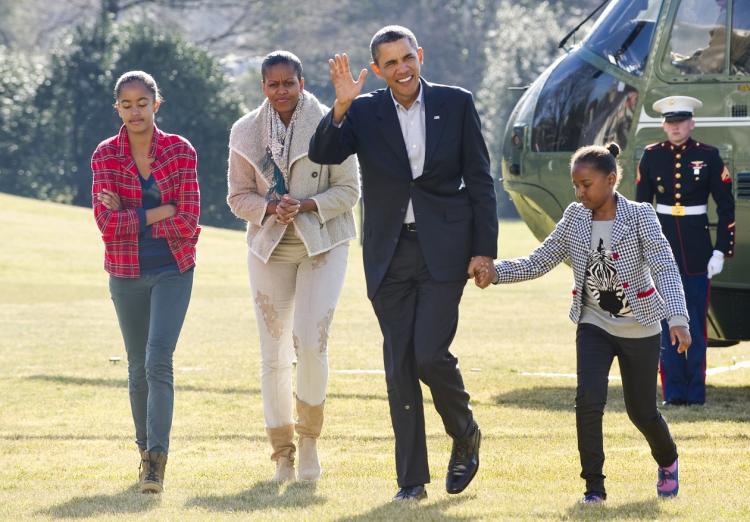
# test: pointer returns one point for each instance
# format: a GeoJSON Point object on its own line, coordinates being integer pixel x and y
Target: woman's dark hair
{"type": "Point", "coordinates": [138, 76]}
{"type": "Point", "coordinates": [281, 57]}
{"type": "Point", "coordinates": [602, 159]}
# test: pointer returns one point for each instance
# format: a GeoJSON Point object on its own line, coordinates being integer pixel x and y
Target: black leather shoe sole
{"type": "Point", "coordinates": [455, 489]}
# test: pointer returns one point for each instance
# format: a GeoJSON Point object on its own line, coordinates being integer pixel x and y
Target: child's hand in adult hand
{"type": "Point", "coordinates": [680, 334]}
{"type": "Point", "coordinates": [483, 276]}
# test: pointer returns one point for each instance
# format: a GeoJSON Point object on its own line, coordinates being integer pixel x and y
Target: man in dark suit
{"type": "Point", "coordinates": [430, 221]}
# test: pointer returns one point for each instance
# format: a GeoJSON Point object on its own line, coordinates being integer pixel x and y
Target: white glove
{"type": "Point", "coordinates": [716, 263]}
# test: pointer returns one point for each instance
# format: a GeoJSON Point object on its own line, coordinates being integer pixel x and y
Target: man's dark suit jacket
{"type": "Point", "coordinates": [454, 199]}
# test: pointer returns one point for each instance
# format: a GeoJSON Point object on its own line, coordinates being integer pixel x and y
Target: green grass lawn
{"type": "Point", "coordinates": [66, 447]}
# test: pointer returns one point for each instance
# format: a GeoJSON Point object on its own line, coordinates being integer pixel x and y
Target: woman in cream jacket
{"type": "Point", "coordinates": [299, 222]}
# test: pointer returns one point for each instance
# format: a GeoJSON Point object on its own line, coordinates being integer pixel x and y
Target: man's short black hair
{"type": "Point", "coordinates": [281, 57]}
{"type": "Point", "coordinates": [391, 33]}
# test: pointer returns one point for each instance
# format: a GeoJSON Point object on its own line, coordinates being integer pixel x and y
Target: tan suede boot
{"type": "Point", "coordinates": [283, 452]}
{"type": "Point", "coordinates": [309, 424]}
{"type": "Point", "coordinates": [154, 481]}
{"type": "Point", "coordinates": [143, 468]}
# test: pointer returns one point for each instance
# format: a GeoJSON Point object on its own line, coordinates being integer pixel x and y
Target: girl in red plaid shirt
{"type": "Point", "coordinates": [146, 204]}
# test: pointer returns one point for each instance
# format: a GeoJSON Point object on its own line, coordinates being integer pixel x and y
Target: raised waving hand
{"type": "Point", "coordinates": [343, 82]}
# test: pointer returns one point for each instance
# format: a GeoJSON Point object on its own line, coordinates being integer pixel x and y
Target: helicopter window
{"type": "Point", "coordinates": [582, 105]}
{"type": "Point", "coordinates": [698, 41]}
{"type": "Point", "coordinates": [623, 33]}
{"type": "Point", "coordinates": [740, 53]}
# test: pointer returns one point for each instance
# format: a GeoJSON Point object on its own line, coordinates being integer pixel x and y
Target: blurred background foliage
{"type": "Point", "coordinates": [59, 62]}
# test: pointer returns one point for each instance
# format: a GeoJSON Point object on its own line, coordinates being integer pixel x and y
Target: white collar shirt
{"type": "Point", "coordinates": [412, 122]}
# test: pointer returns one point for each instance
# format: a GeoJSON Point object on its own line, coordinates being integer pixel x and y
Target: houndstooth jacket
{"type": "Point", "coordinates": [645, 264]}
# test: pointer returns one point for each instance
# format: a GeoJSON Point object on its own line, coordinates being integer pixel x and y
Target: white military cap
{"type": "Point", "coordinates": [677, 108]}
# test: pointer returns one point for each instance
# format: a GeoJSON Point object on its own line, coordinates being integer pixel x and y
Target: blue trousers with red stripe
{"type": "Point", "coordinates": [683, 375]}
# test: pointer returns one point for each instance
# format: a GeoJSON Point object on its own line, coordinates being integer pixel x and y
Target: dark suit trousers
{"type": "Point", "coordinates": [418, 317]}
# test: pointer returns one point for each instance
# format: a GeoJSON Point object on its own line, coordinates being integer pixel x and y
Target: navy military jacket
{"type": "Point", "coordinates": [683, 176]}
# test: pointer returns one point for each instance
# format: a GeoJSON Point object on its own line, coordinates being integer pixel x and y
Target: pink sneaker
{"type": "Point", "coordinates": [668, 483]}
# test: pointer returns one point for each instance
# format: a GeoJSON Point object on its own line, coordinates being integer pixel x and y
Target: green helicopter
{"type": "Point", "coordinates": [602, 90]}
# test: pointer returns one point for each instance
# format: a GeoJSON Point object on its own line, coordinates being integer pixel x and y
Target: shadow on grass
{"type": "Point", "coordinates": [555, 398]}
{"type": "Point", "coordinates": [62, 437]}
{"type": "Point", "coordinates": [123, 383]}
{"type": "Point", "coordinates": [643, 510]}
{"type": "Point", "coordinates": [119, 438]}
{"type": "Point", "coordinates": [263, 495]}
{"type": "Point", "coordinates": [129, 501]}
{"type": "Point", "coordinates": [366, 438]}
{"type": "Point", "coordinates": [724, 403]}
{"type": "Point", "coordinates": [424, 510]}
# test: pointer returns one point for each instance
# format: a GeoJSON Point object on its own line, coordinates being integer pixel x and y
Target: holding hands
{"type": "Point", "coordinates": [482, 269]}
{"type": "Point", "coordinates": [343, 82]}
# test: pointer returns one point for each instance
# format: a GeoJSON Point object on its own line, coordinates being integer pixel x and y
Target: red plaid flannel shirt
{"type": "Point", "coordinates": [174, 171]}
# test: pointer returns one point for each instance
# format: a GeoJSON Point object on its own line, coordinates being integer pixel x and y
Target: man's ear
{"type": "Point", "coordinates": [375, 69]}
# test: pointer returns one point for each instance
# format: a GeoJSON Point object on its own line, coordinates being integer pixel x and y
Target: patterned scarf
{"type": "Point", "coordinates": [275, 169]}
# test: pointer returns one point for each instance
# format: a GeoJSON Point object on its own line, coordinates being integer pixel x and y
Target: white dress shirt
{"type": "Point", "coordinates": [412, 121]}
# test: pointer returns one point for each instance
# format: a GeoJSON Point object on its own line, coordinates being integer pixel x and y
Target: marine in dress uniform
{"type": "Point", "coordinates": [681, 173]}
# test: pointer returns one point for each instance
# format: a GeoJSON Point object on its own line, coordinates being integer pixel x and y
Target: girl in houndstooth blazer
{"type": "Point", "coordinates": [626, 283]}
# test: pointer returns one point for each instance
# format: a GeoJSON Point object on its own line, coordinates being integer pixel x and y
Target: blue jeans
{"type": "Point", "coordinates": [683, 375]}
{"type": "Point", "coordinates": [151, 310]}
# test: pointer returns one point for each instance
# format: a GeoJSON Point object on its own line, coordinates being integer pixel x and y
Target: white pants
{"type": "Point", "coordinates": [295, 296]}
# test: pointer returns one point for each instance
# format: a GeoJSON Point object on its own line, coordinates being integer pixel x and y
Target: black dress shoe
{"type": "Point", "coordinates": [411, 493]}
{"type": "Point", "coordinates": [464, 462]}
{"type": "Point", "coordinates": [674, 402]}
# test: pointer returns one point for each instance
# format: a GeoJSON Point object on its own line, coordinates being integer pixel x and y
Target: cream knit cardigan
{"type": "Point", "coordinates": [335, 188]}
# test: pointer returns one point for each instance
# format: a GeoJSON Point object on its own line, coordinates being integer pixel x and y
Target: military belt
{"type": "Point", "coordinates": [679, 210]}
